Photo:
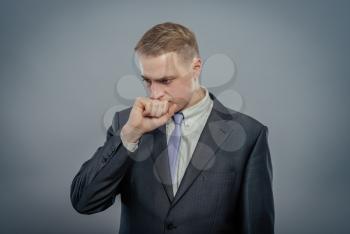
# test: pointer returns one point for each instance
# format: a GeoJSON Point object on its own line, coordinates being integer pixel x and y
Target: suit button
{"type": "Point", "coordinates": [170, 226]}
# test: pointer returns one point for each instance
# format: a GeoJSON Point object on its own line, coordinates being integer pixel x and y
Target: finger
{"type": "Point", "coordinates": [161, 108]}
{"type": "Point", "coordinates": [165, 107]}
{"type": "Point", "coordinates": [163, 119]}
{"type": "Point", "coordinates": [154, 108]}
{"type": "Point", "coordinates": [172, 110]}
{"type": "Point", "coordinates": [141, 103]}
{"type": "Point", "coordinates": [159, 111]}
{"type": "Point", "coordinates": [147, 108]}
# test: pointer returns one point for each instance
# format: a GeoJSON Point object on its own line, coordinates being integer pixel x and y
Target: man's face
{"type": "Point", "coordinates": [168, 77]}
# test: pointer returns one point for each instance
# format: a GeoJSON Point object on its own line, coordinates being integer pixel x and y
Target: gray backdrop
{"type": "Point", "coordinates": [65, 67]}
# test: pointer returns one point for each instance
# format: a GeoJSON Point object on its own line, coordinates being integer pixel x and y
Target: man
{"type": "Point", "coordinates": [181, 161]}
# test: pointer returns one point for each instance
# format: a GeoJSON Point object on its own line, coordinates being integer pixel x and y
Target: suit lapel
{"type": "Point", "coordinates": [215, 131]}
{"type": "Point", "coordinates": [160, 158]}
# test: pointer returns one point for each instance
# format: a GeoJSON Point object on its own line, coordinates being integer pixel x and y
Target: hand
{"type": "Point", "coordinates": [147, 115]}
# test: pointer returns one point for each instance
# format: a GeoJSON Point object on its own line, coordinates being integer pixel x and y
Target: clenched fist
{"type": "Point", "coordinates": [146, 115]}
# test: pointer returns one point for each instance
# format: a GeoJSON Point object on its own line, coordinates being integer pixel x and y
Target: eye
{"type": "Point", "coordinates": [165, 82]}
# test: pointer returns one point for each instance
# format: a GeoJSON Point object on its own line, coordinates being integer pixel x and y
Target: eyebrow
{"type": "Point", "coordinates": [159, 79]}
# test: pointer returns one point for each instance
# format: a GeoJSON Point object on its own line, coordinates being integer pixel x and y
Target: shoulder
{"type": "Point", "coordinates": [251, 126]}
{"type": "Point", "coordinates": [248, 127]}
{"type": "Point", "coordinates": [249, 123]}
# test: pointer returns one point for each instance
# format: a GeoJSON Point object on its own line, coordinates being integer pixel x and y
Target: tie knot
{"type": "Point", "coordinates": [178, 117]}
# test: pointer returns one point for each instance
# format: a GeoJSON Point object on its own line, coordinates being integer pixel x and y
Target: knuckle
{"type": "Point", "coordinates": [138, 99]}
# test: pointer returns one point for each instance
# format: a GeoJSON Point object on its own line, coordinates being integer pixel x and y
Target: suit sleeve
{"type": "Point", "coordinates": [100, 179]}
{"type": "Point", "coordinates": [256, 209]}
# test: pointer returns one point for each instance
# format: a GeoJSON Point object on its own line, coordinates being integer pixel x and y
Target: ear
{"type": "Point", "coordinates": [196, 66]}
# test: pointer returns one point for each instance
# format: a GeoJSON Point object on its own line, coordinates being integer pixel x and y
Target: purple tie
{"type": "Point", "coordinates": [174, 145]}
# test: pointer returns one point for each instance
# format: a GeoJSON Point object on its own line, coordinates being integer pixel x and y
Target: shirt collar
{"type": "Point", "coordinates": [198, 108]}
{"type": "Point", "coordinates": [192, 113]}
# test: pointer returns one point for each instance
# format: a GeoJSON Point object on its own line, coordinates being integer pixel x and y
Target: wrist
{"type": "Point", "coordinates": [131, 134]}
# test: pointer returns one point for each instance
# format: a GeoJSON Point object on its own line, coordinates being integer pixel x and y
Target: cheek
{"type": "Point", "coordinates": [181, 94]}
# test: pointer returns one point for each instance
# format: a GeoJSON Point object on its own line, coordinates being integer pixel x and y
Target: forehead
{"type": "Point", "coordinates": [167, 64]}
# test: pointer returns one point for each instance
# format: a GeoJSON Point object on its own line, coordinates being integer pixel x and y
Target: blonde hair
{"type": "Point", "coordinates": [168, 37]}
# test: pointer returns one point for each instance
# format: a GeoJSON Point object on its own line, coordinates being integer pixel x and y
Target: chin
{"type": "Point", "coordinates": [180, 108]}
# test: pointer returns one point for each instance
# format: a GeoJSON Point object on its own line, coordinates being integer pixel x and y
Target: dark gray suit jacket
{"type": "Point", "coordinates": [227, 187]}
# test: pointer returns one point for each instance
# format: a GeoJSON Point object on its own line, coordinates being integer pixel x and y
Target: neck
{"type": "Point", "coordinates": [197, 96]}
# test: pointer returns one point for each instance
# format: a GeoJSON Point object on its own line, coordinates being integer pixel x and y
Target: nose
{"type": "Point", "coordinates": [156, 91]}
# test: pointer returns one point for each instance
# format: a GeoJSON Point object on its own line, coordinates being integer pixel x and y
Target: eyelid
{"type": "Point", "coordinates": [162, 81]}
{"type": "Point", "coordinates": [165, 81]}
